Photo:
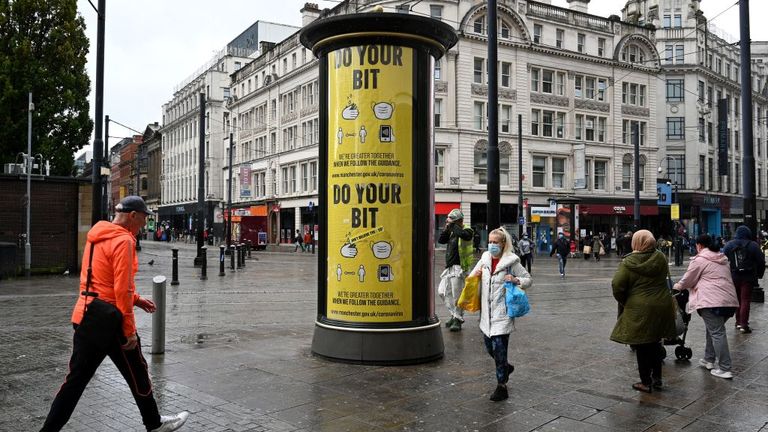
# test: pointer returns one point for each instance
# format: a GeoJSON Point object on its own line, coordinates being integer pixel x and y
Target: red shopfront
{"type": "Point", "coordinates": [615, 218]}
{"type": "Point", "coordinates": [441, 213]}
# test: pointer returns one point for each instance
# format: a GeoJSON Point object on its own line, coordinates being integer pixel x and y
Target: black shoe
{"type": "Point", "coordinates": [450, 322]}
{"type": "Point", "coordinates": [745, 330]}
{"type": "Point", "coordinates": [500, 393]}
{"type": "Point", "coordinates": [455, 326]}
{"type": "Point", "coordinates": [510, 369]}
{"type": "Point", "coordinates": [657, 384]}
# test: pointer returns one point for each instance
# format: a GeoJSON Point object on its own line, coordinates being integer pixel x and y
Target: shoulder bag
{"type": "Point", "coordinates": [102, 321]}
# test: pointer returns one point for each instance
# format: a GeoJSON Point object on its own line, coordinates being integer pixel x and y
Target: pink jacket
{"type": "Point", "coordinates": [708, 278]}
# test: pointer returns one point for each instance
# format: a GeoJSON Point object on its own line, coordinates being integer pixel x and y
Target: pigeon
{"type": "Point", "coordinates": [151, 262]}
{"type": "Point", "coordinates": [66, 272]}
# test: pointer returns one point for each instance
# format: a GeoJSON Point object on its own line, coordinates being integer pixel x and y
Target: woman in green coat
{"type": "Point", "coordinates": [647, 310]}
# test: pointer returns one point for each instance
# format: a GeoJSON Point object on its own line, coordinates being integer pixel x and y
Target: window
{"type": "Point", "coordinates": [702, 171]}
{"type": "Point", "coordinates": [547, 123]}
{"type": "Point", "coordinates": [559, 36]}
{"type": "Point", "coordinates": [580, 41]}
{"type": "Point", "coordinates": [506, 118]}
{"type": "Point", "coordinates": [438, 111]}
{"type": "Point", "coordinates": [506, 69]}
{"type": "Point", "coordinates": [504, 30]}
{"type": "Point", "coordinates": [679, 54]}
{"type": "Point", "coordinates": [601, 47]}
{"type": "Point", "coordinates": [675, 128]}
{"type": "Point", "coordinates": [481, 167]}
{"type": "Point", "coordinates": [633, 126]}
{"type": "Point", "coordinates": [668, 53]}
{"type": "Point", "coordinates": [479, 115]}
{"type": "Point", "coordinates": [675, 90]}
{"type": "Point", "coordinates": [632, 54]}
{"type": "Point", "coordinates": [304, 178]}
{"type": "Point", "coordinates": [436, 12]}
{"type": "Point", "coordinates": [539, 168]}
{"type": "Point", "coordinates": [238, 65]}
{"type": "Point", "coordinates": [736, 179]}
{"type": "Point", "coordinates": [633, 94]}
{"type": "Point", "coordinates": [313, 175]}
{"type": "Point", "coordinates": [676, 170]}
{"type": "Point", "coordinates": [728, 70]}
{"type": "Point", "coordinates": [537, 33]}
{"type": "Point", "coordinates": [578, 86]}
{"type": "Point", "coordinates": [678, 20]}
{"type": "Point", "coordinates": [293, 61]}
{"type": "Point", "coordinates": [546, 81]}
{"type": "Point", "coordinates": [590, 87]}
{"type": "Point", "coordinates": [599, 180]}
{"type": "Point", "coordinates": [479, 25]}
{"type": "Point", "coordinates": [535, 122]}
{"type": "Point", "coordinates": [478, 70]}
{"type": "Point", "coordinates": [285, 180]}
{"type": "Point", "coordinates": [701, 91]}
{"type": "Point", "coordinates": [439, 166]}
{"type": "Point", "coordinates": [626, 172]}
{"type": "Point", "coordinates": [560, 83]}
{"type": "Point", "coordinates": [560, 125]}
{"type": "Point", "coordinates": [590, 128]}
{"type": "Point", "coordinates": [719, 66]}
{"type": "Point", "coordinates": [667, 21]}
{"type": "Point", "coordinates": [292, 172]}
{"type": "Point", "coordinates": [535, 79]}
{"type": "Point", "coordinates": [438, 69]}
{"type": "Point", "coordinates": [558, 173]}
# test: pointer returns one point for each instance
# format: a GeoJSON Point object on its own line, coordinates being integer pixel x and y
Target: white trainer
{"type": "Point", "coordinates": [706, 364]}
{"type": "Point", "coordinates": [721, 373]}
{"type": "Point", "coordinates": [172, 423]}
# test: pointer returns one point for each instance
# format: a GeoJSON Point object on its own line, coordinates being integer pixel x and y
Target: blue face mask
{"type": "Point", "coordinates": [494, 249]}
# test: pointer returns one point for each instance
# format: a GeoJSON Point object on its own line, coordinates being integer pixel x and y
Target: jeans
{"type": "Point", "coordinates": [649, 358]}
{"type": "Point", "coordinates": [744, 292]}
{"type": "Point", "coordinates": [561, 262]}
{"type": "Point", "coordinates": [85, 359]}
{"type": "Point", "coordinates": [497, 348]}
{"type": "Point", "coordinates": [717, 340]}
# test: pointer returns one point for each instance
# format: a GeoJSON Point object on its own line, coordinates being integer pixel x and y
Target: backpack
{"type": "Point", "coordinates": [740, 261]}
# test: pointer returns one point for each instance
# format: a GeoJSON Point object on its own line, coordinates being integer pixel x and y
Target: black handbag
{"type": "Point", "coordinates": [102, 322]}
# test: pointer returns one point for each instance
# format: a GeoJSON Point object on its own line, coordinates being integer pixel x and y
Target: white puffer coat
{"type": "Point", "coordinates": [494, 320]}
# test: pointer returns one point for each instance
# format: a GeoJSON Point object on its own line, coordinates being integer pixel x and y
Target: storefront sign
{"type": "Point", "coordinates": [664, 193]}
{"type": "Point", "coordinates": [675, 211]}
{"type": "Point", "coordinates": [550, 211]}
{"type": "Point", "coordinates": [369, 183]}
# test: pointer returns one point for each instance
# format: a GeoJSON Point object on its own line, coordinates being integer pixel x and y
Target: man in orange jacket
{"type": "Point", "coordinates": [114, 266]}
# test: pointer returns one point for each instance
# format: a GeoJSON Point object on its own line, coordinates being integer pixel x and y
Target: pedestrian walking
{"type": "Point", "coordinates": [497, 265]}
{"type": "Point", "coordinates": [647, 313]}
{"type": "Point", "coordinates": [747, 264]}
{"type": "Point", "coordinates": [713, 297]}
{"type": "Point", "coordinates": [597, 247]}
{"type": "Point", "coordinates": [298, 241]}
{"type": "Point", "coordinates": [526, 252]}
{"type": "Point", "coordinates": [458, 260]}
{"type": "Point", "coordinates": [562, 249]}
{"type": "Point", "coordinates": [476, 240]}
{"type": "Point", "coordinates": [107, 284]}
{"type": "Point", "coordinates": [307, 241]}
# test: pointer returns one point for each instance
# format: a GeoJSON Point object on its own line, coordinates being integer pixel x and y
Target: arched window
{"type": "Point", "coordinates": [478, 25]}
{"type": "Point", "coordinates": [633, 54]}
{"type": "Point", "coordinates": [627, 167]}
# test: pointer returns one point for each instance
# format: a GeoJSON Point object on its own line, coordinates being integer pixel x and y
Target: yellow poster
{"type": "Point", "coordinates": [370, 166]}
{"type": "Point", "coordinates": [675, 211]}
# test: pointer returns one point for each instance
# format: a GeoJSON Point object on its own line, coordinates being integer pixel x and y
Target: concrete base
{"type": "Point", "coordinates": [405, 346]}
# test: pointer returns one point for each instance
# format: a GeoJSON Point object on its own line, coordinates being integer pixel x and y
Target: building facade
{"type": "Point", "coordinates": [180, 132]}
{"type": "Point", "coordinates": [152, 146]}
{"type": "Point", "coordinates": [580, 83]}
{"type": "Point", "coordinates": [700, 157]}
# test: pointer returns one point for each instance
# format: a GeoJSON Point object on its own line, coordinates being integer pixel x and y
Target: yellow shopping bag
{"type": "Point", "coordinates": [469, 300]}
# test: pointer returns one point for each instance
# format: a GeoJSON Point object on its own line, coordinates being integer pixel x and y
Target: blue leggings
{"type": "Point", "coordinates": [497, 348]}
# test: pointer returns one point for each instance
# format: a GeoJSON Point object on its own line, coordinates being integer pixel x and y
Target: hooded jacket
{"type": "Point", "coordinates": [114, 266]}
{"type": "Point", "coordinates": [494, 320]}
{"type": "Point", "coordinates": [744, 238]}
{"type": "Point", "coordinates": [708, 278]}
{"type": "Point", "coordinates": [640, 286]}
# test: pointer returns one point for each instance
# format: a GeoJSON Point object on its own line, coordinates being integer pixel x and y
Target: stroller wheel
{"type": "Point", "coordinates": [680, 352]}
{"type": "Point", "coordinates": [688, 353]}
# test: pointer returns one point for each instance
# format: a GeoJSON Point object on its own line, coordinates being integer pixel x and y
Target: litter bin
{"type": "Point", "coordinates": [7, 259]}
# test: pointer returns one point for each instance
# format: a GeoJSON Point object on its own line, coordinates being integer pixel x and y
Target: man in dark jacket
{"type": "Point", "coordinates": [452, 278]}
{"type": "Point", "coordinates": [747, 266]}
{"type": "Point", "coordinates": [562, 249]}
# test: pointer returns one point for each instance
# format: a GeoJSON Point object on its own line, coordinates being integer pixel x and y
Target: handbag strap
{"type": "Point", "coordinates": [87, 293]}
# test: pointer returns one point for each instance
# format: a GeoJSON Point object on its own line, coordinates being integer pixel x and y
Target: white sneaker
{"type": "Point", "coordinates": [721, 373]}
{"type": "Point", "coordinates": [706, 364]}
{"type": "Point", "coordinates": [172, 423]}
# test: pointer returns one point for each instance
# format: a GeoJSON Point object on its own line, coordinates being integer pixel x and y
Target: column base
{"type": "Point", "coordinates": [362, 346]}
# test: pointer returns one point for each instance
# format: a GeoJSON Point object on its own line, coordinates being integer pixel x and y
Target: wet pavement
{"type": "Point", "coordinates": [238, 357]}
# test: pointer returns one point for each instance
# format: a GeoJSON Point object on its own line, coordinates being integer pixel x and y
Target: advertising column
{"type": "Point", "coordinates": [375, 293]}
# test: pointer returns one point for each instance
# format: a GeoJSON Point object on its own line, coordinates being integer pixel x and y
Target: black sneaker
{"type": "Point", "coordinates": [745, 330]}
{"type": "Point", "coordinates": [510, 369]}
{"type": "Point", "coordinates": [450, 322]}
{"type": "Point", "coordinates": [500, 393]}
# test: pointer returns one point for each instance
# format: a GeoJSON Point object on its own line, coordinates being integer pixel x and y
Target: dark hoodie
{"type": "Point", "coordinates": [755, 255]}
{"type": "Point", "coordinates": [114, 265]}
{"type": "Point", "coordinates": [640, 286]}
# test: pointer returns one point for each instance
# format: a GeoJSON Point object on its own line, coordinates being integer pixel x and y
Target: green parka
{"type": "Point", "coordinates": [640, 287]}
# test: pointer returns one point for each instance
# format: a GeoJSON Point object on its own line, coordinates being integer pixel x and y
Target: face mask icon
{"type": "Point", "coordinates": [383, 110]}
{"type": "Point", "coordinates": [381, 249]}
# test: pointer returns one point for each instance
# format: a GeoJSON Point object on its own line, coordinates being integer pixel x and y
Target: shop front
{"type": "Point", "coordinates": [611, 219]}
{"type": "Point", "coordinates": [183, 217]}
{"type": "Point", "coordinates": [441, 214]}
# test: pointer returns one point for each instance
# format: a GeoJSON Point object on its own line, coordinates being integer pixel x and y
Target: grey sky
{"type": "Point", "coordinates": [152, 45]}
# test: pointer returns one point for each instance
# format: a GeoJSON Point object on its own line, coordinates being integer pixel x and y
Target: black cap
{"type": "Point", "coordinates": [133, 203]}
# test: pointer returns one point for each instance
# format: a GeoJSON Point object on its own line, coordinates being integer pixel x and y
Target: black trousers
{"type": "Point", "coordinates": [86, 358]}
{"type": "Point", "coordinates": [649, 358]}
{"type": "Point", "coordinates": [526, 260]}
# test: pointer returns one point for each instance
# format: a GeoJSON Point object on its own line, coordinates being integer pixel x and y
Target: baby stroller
{"type": "Point", "coordinates": [682, 352]}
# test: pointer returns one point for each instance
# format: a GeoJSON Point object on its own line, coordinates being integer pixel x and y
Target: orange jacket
{"type": "Point", "coordinates": [114, 266]}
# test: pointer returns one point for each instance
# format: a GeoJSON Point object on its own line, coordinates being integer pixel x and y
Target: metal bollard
{"type": "Point", "coordinates": [232, 257]}
{"type": "Point", "coordinates": [221, 260]}
{"type": "Point", "coordinates": [175, 267]}
{"type": "Point", "coordinates": [204, 268]}
{"type": "Point", "coordinates": [243, 248]}
{"type": "Point", "coordinates": [158, 318]}
{"type": "Point", "coordinates": [239, 250]}
{"type": "Point", "coordinates": [248, 247]}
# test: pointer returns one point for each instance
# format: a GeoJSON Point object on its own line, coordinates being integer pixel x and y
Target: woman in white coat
{"type": "Point", "coordinates": [497, 265]}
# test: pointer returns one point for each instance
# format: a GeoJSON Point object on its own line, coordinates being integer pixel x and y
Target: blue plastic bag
{"type": "Point", "coordinates": [517, 301]}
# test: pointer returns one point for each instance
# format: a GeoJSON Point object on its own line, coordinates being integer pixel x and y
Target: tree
{"type": "Point", "coordinates": [43, 50]}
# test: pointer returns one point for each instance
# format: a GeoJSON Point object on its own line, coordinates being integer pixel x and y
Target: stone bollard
{"type": "Point", "coordinates": [239, 250]}
{"type": "Point", "coordinates": [204, 262]}
{"type": "Point", "coordinates": [221, 260]}
{"type": "Point", "coordinates": [158, 318]}
{"type": "Point", "coordinates": [232, 257]}
{"type": "Point", "coordinates": [175, 267]}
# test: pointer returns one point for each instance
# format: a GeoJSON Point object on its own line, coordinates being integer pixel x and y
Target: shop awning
{"type": "Point", "coordinates": [617, 209]}
{"type": "Point", "coordinates": [443, 208]}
